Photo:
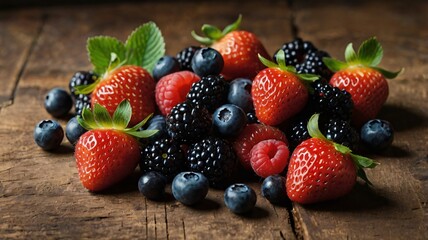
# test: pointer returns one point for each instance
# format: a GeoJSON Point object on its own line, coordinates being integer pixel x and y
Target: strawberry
{"type": "Point", "coordinates": [127, 82]}
{"type": "Point", "coordinates": [124, 70]}
{"type": "Point", "coordinates": [238, 48]}
{"type": "Point", "coordinates": [173, 88]}
{"type": "Point", "coordinates": [108, 152]}
{"type": "Point", "coordinates": [320, 169]}
{"type": "Point", "coordinates": [361, 77]}
{"type": "Point", "coordinates": [251, 135]}
{"type": "Point", "coordinates": [269, 157]}
{"type": "Point", "coordinates": [279, 92]}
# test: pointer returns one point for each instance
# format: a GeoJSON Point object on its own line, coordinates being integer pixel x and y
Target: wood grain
{"type": "Point", "coordinates": [40, 193]}
{"type": "Point", "coordinates": [396, 207]}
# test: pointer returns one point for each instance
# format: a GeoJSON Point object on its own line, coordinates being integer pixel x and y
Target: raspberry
{"type": "Point", "coordinates": [269, 157]}
{"type": "Point", "coordinates": [250, 136]}
{"type": "Point", "coordinates": [185, 56]}
{"type": "Point", "coordinates": [214, 158]}
{"type": "Point", "coordinates": [210, 92]}
{"type": "Point", "coordinates": [173, 88]}
{"type": "Point", "coordinates": [188, 122]}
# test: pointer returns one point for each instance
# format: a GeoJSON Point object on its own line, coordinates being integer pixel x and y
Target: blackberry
{"type": "Point", "coordinates": [211, 92]}
{"type": "Point", "coordinates": [214, 158]}
{"type": "Point", "coordinates": [82, 101]}
{"type": "Point", "coordinates": [252, 118]}
{"type": "Point", "coordinates": [164, 156]}
{"type": "Point", "coordinates": [80, 78]}
{"type": "Point", "coordinates": [305, 57]}
{"type": "Point", "coordinates": [331, 100]}
{"type": "Point", "coordinates": [297, 131]}
{"type": "Point", "coordinates": [188, 122]}
{"type": "Point", "coordinates": [313, 64]}
{"type": "Point", "coordinates": [340, 131]}
{"type": "Point", "coordinates": [185, 57]}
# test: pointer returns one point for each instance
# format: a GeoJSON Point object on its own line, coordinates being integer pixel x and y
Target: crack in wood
{"type": "Point", "coordinates": [166, 221]}
{"type": "Point", "coordinates": [184, 229]}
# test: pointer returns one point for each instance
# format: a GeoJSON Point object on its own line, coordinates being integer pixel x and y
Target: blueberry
{"type": "Point", "coordinates": [164, 66]}
{"type": "Point", "coordinates": [190, 188]}
{"type": "Point", "coordinates": [240, 198]}
{"type": "Point", "coordinates": [152, 185]}
{"type": "Point", "coordinates": [73, 130]}
{"type": "Point", "coordinates": [58, 102]}
{"type": "Point", "coordinates": [207, 61]}
{"type": "Point", "coordinates": [240, 94]}
{"type": "Point", "coordinates": [157, 123]}
{"type": "Point", "coordinates": [229, 120]}
{"type": "Point", "coordinates": [377, 134]}
{"type": "Point", "coordinates": [273, 189]}
{"type": "Point", "coordinates": [48, 134]}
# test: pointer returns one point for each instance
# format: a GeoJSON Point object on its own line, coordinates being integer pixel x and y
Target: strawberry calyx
{"type": "Point", "coordinates": [369, 54]}
{"type": "Point", "coordinates": [213, 33]}
{"type": "Point", "coordinates": [360, 162]}
{"type": "Point", "coordinates": [280, 59]}
{"type": "Point", "coordinates": [99, 118]}
{"type": "Point", "coordinates": [143, 47]}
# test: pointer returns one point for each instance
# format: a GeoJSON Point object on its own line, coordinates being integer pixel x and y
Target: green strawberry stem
{"type": "Point", "coordinates": [361, 162]}
{"type": "Point", "coordinates": [370, 54]}
{"type": "Point", "coordinates": [213, 33]}
{"type": "Point", "coordinates": [99, 118]}
{"type": "Point", "coordinates": [280, 59]}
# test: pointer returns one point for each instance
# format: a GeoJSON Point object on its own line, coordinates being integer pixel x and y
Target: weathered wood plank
{"type": "Point", "coordinates": [40, 193]}
{"type": "Point", "coordinates": [18, 32]}
{"type": "Point", "coordinates": [396, 207]}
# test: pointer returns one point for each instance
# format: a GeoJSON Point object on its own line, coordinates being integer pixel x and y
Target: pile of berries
{"type": "Point", "coordinates": [211, 112]}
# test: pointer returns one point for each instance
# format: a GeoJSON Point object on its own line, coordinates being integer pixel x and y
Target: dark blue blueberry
{"type": "Point", "coordinates": [207, 61]}
{"type": "Point", "coordinates": [190, 188]}
{"type": "Point", "coordinates": [152, 185]}
{"type": "Point", "coordinates": [240, 198]}
{"type": "Point", "coordinates": [240, 94]}
{"type": "Point", "coordinates": [157, 123]}
{"type": "Point", "coordinates": [73, 130]}
{"type": "Point", "coordinates": [164, 66]}
{"type": "Point", "coordinates": [229, 120]}
{"type": "Point", "coordinates": [48, 134]}
{"type": "Point", "coordinates": [377, 134]}
{"type": "Point", "coordinates": [58, 102]}
{"type": "Point", "coordinates": [273, 189]}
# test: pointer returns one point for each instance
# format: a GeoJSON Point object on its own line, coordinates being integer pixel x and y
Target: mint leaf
{"type": "Point", "coordinates": [100, 49]}
{"type": "Point", "coordinates": [370, 52]}
{"type": "Point", "coordinates": [145, 46]}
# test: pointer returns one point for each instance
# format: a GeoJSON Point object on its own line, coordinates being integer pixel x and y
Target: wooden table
{"type": "Point", "coordinates": [40, 193]}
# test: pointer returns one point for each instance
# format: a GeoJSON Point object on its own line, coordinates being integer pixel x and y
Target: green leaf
{"type": "Point", "coordinates": [363, 162]}
{"type": "Point", "coordinates": [233, 26]}
{"type": "Point", "coordinates": [212, 32]}
{"type": "Point", "coordinates": [144, 46]}
{"type": "Point", "coordinates": [313, 128]}
{"type": "Point", "coordinates": [308, 76]}
{"type": "Point", "coordinates": [140, 124]}
{"type": "Point", "coordinates": [370, 52]}
{"type": "Point", "coordinates": [362, 174]}
{"type": "Point", "coordinates": [102, 117]}
{"type": "Point", "coordinates": [204, 40]}
{"type": "Point", "coordinates": [100, 49]}
{"type": "Point", "coordinates": [83, 123]}
{"type": "Point", "coordinates": [267, 62]}
{"type": "Point", "coordinates": [333, 64]}
{"type": "Point", "coordinates": [142, 134]}
{"type": "Point", "coordinates": [341, 148]}
{"type": "Point", "coordinates": [388, 74]}
{"type": "Point", "coordinates": [350, 54]}
{"type": "Point", "coordinates": [122, 115]}
{"type": "Point", "coordinates": [87, 89]}
{"type": "Point", "coordinates": [88, 118]}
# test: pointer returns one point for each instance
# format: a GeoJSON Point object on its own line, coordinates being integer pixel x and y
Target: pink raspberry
{"type": "Point", "coordinates": [269, 157]}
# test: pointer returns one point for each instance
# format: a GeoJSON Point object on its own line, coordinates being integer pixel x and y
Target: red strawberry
{"type": "Point", "coordinates": [173, 88]}
{"type": "Point", "coordinates": [320, 169]}
{"type": "Point", "coordinates": [108, 152]}
{"type": "Point", "coordinates": [278, 92]}
{"type": "Point", "coordinates": [250, 136]}
{"type": "Point", "coordinates": [269, 157]}
{"type": "Point", "coordinates": [238, 48]}
{"type": "Point", "coordinates": [129, 82]}
{"type": "Point", "coordinates": [362, 79]}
